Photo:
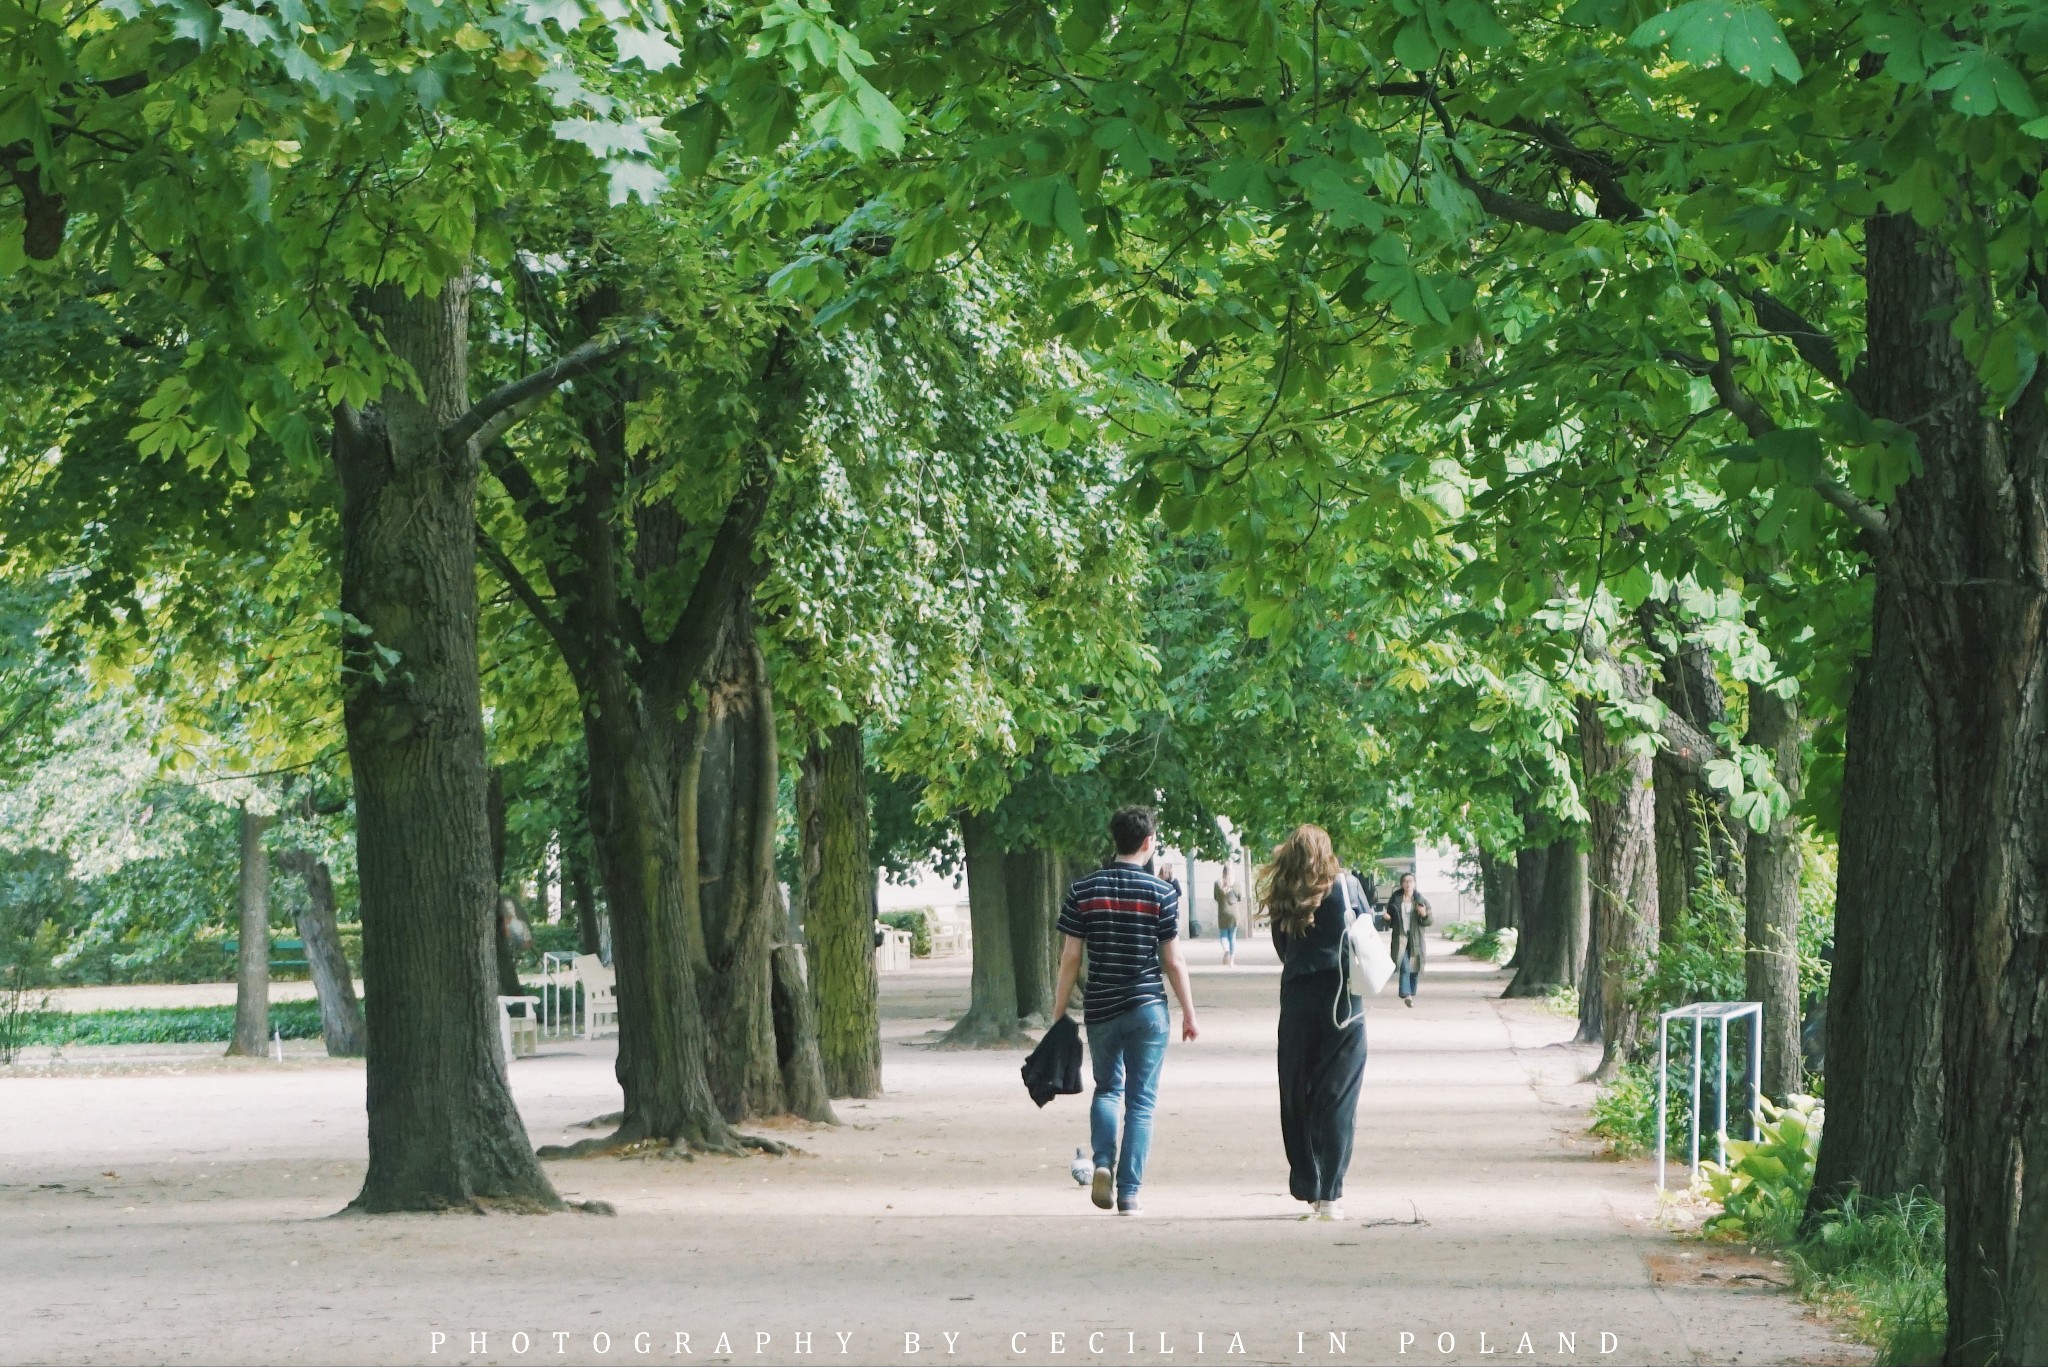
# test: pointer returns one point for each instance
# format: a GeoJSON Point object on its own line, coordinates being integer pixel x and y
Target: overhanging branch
{"type": "Point", "coordinates": [495, 413]}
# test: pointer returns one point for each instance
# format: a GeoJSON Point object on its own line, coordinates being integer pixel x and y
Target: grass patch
{"type": "Point", "coordinates": [1880, 1265]}
{"type": "Point", "coordinates": [163, 1025]}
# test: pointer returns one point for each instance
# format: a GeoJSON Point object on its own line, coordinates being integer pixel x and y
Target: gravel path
{"type": "Point", "coordinates": [172, 1210]}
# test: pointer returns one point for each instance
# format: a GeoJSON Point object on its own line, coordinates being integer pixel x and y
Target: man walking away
{"type": "Point", "coordinates": [1128, 920]}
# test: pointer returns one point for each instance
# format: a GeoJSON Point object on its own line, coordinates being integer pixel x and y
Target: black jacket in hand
{"type": "Point", "coordinates": [1054, 1067]}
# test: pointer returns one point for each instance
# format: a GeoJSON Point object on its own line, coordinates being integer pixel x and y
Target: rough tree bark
{"type": "Point", "coordinates": [839, 882]}
{"type": "Point", "coordinates": [1497, 891]}
{"type": "Point", "coordinates": [1770, 956]}
{"type": "Point", "coordinates": [341, 1015]}
{"type": "Point", "coordinates": [679, 734]}
{"type": "Point", "coordinates": [443, 1130]}
{"type": "Point", "coordinates": [1552, 947]}
{"type": "Point", "coordinates": [1032, 899]}
{"type": "Point", "coordinates": [991, 1019]}
{"type": "Point", "coordinates": [1884, 1072]}
{"type": "Point", "coordinates": [1622, 872]}
{"type": "Point", "coordinates": [1694, 827]}
{"type": "Point", "coordinates": [1968, 555]}
{"type": "Point", "coordinates": [252, 955]}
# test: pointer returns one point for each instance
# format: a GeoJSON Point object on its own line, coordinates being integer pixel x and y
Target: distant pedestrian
{"type": "Point", "coordinates": [1310, 900]}
{"type": "Point", "coordinates": [1227, 899]}
{"type": "Point", "coordinates": [1407, 912]}
{"type": "Point", "coordinates": [1128, 921]}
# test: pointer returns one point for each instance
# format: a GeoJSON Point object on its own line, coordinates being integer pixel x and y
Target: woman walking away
{"type": "Point", "coordinates": [1227, 898]}
{"type": "Point", "coordinates": [1309, 900]}
{"type": "Point", "coordinates": [1406, 914]}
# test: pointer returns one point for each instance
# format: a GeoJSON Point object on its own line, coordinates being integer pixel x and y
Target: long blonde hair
{"type": "Point", "coordinates": [1303, 871]}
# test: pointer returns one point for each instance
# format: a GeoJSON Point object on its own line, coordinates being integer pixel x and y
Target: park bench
{"type": "Point", "coordinates": [892, 947]}
{"type": "Point", "coordinates": [600, 995]}
{"type": "Point", "coordinates": [952, 932]}
{"type": "Point", "coordinates": [519, 1036]}
{"type": "Point", "coordinates": [284, 954]}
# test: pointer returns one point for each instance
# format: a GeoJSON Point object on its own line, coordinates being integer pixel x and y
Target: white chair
{"type": "Point", "coordinates": [518, 1036]}
{"type": "Point", "coordinates": [894, 950]}
{"type": "Point", "coordinates": [600, 995]}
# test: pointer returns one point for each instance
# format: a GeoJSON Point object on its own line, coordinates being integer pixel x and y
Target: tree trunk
{"type": "Point", "coordinates": [991, 1019]}
{"type": "Point", "coordinates": [1552, 945]}
{"type": "Point", "coordinates": [839, 886]}
{"type": "Point", "coordinates": [1969, 559]}
{"type": "Point", "coordinates": [1770, 957]}
{"type": "Point", "coordinates": [252, 956]}
{"type": "Point", "coordinates": [796, 1037]}
{"type": "Point", "coordinates": [341, 1015]}
{"type": "Point", "coordinates": [1032, 900]}
{"type": "Point", "coordinates": [443, 1130]}
{"type": "Point", "coordinates": [1497, 889]}
{"type": "Point", "coordinates": [576, 891]}
{"type": "Point", "coordinates": [1529, 870]}
{"type": "Point", "coordinates": [1696, 834]}
{"type": "Point", "coordinates": [1622, 872]}
{"type": "Point", "coordinates": [502, 905]}
{"type": "Point", "coordinates": [1884, 1070]}
{"type": "Point", "coordinates": [733, 775]}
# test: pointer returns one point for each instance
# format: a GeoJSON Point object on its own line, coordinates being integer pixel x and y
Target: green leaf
{"type": "Point", "coordinates": [1739, 34]}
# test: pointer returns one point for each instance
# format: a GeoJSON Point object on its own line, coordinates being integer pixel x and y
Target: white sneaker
{"type": "Point", "coordinates": [1081, 1167]}
{"type": "Point", "coordinates": [1099, 1189]}
{"type": "Point", "coordinates": [1329, 1210]}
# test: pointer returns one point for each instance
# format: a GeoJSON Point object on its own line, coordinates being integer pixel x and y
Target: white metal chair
{"type": "Point", "coordinates": [894, 950]}
{"type": "Point", "coordinates": [518, 1036]}
{"type": "Point", "coordinates": [600, 995]}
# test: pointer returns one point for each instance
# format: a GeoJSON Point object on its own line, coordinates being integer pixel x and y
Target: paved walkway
{"type": "Point", "coordinates": [176, 1216]}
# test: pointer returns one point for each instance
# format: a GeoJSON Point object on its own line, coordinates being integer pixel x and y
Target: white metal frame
{"type": "Point", "coordinates": [558, 988]}
{"type": "Point", "coordinates": [1701, 1014]}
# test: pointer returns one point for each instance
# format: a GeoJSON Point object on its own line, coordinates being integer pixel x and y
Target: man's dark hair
{"type": "Point", "coordinates": [1130, 827]}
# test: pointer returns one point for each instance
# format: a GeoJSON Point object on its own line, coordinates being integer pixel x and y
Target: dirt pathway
{"type": "Point", "coordinates": [170, 1216]}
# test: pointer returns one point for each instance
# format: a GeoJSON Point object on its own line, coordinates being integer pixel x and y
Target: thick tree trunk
{"type": "Point", "coordinates": [991, 1019]}
{"type": "Point", "coordinates": [1552, 946]}
{"type": "Point", "coordinates": [1770, 958]}
{"type": "Point", "coordinates": [341, 1015]}
{"type": "Point", "coordinates": [636, 807]}
{"type": "Point", "coordinates": [796, 1037]}
{"type": "Point", "coordinates": [1969, 558]}
{"type": "Point", "coordinates": [1697, 838]}
{"type": "Point", "coordinates": [576, 892]}
{"type": "Point", "coordinates": [252, 956]}
{"type": "Point", "coordinates": [1622, 873]}
{"type": "Point", "coordinates": [443, 1130]}
{"type": "Point", "coordinates": [839, 886]}
{"type": "Point", "coordinates": [1884, 1070]}
{"type": "Point", "coordinates": [1497, 889]}
{"type": "Point", "coordinates": [733, 775]}
{"type": "Point", "coordinates": [1032, 901]}
{"type": "Point", "coordinates": [1529, 870]}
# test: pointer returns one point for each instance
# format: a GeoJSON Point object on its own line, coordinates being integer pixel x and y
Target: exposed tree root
{"type": "Point", "coordinates": [978, 1030]}
{"type": "Point", "coordinates": [594, 1207]}
{"type": "Point", "coordinates": [632, 1141]}
{"type": "Point", "coordinates": [598, 1122]}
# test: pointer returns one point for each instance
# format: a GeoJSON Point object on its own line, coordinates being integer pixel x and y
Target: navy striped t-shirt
{"type": "Point", "coordinates": [1122, 912]}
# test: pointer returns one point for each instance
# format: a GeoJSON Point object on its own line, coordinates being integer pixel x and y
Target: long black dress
{"type": "Point", "coordinates": [1321, 1062]}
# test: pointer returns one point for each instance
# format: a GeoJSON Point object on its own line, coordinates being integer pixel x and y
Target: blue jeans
{"type": "Point", "coordinates": [1229, 939]}
{"type": "Point", "coordinates": [1407, 974]}
{"type": "Point", "coordinates": [1126, 1051]}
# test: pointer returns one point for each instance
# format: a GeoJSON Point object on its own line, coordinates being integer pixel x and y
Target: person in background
{"type": "Point", "coordinates": [1227, 899]}
{"type": "Point", "coordinates": [1310, 900]}
{"type": "Point", "coordinates": [1407, 912]}
{"type": "Point", "coordinates": [1128, 921]}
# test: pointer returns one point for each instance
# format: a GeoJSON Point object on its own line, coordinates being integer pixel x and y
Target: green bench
{"type": "Point", "coordinates": [281, 953]}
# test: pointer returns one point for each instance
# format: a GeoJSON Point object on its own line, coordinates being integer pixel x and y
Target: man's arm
{"type": "Point", "coordinates": [1177, 976]}
{"type": "Point", "coordinates": [1070, 972]}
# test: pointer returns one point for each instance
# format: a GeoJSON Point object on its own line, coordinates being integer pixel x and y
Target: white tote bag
{"type": "Point", "coordinates": [1367, 965]}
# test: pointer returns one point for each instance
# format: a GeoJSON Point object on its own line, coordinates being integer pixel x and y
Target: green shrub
{"type": "Point", "coordinates": [1560, 999]}
{"type": "Point", "coordinates": [164, 1025]}
{"type": "Point", "coordinates": [1763, 1188]}
{"type": "Point", "coordinates": [1884, 1263]}
{"type": "Point", "coordinates": [1493, 946]}
{"type": "Point", "coordinates": [1458, 932]}
{"type": "Point", "coordinates": [919, 926]}
{"type": "Point", "coordinates": [1625, 1112]}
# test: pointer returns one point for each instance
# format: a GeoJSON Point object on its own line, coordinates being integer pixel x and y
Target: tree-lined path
{"type": "Point", "coordinates": [942, 1207]}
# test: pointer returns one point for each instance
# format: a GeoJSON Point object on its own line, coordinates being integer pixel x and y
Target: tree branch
{"type": "Point", "coordinates": [1685, 743]}
{"type": "Point", "coordinates": [522, 589]}
{"type": "Point", "coordinates": [495, 413]}
{"type": "Point", "coordinates": [1814, 346]}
